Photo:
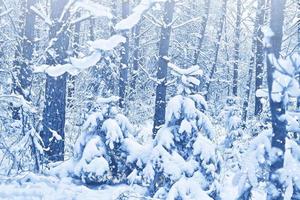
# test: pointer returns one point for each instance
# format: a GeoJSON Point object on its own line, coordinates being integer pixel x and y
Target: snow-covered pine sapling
{"type": "Point", "coordinates": [255, 166]}
{"type": "Point", "coordinates": [89, 150]}
{"type": "Point", "coordinates": [21, 144]}
{"type": "Point", "coordinates": [233, 123]}
{"type": "Point", "coordinates": [183, 162]}
{"type": "Point", "coordinates": [100, 151]}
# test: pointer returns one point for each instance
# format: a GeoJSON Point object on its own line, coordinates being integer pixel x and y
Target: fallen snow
{"type": "Point", "coordinates": [30, 187]}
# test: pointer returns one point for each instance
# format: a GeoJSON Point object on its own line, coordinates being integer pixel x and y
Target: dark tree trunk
{"type": "Point", "coordinates": [237, 47]}
{"type": "Point", "coordinates": [123, 81]}
{"type": "Point", "coordinates": [136, 55]}
{"type": "Point", "coordinates": [76, 37]}
{"type": "Point", "coordinates": [255, 41]}
{"type": "Point", "coordinates": [217, 45]}
{"type": "Point", "coordinates": [91, 29]}
{"type": "Point", "coordinates": [277, 108]}
{"type": "Point", "coordinates": [114, 17]}
{"type": "Point", "coordinates": [259, 57]}
{"type": "Point", "coordinates": [24, 53]}
{"type": "Point", "coordinates": [202, 30]}
{"type": "Point", "coordinates": [75, 48]}
{"type": "Point", "coordinates": [298, 32]}
{"type": "Point", "coordinates": [55, 93]}
{"type": "Point", "coordinates": [160, 100]}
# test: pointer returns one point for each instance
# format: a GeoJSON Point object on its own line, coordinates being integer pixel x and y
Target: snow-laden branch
{"type": "Point", "coordinates": [135, 17]}
{"type": "Point", "coordinates": [187, 22]}
{"type": "Point", "coordinates": [81, 19]}
{"type": "Point", "coordinates": [152, 20]}
{"type": "Point", "coordinates": [6, 12]}
{"type": "Point", "coordinates": [66, 9]}
{"type": "Point", "coordinates": [43, 16]}
{"type": "Point", "coordinates": [112, 99]}
{"type": "Point", "coordinates": [95, 9]}
{"type": "Point", "coordinates": [77, 65]}
{"type": "Point", "coordinates": [191, 71]}
{"type": "Point", "coordinates": [188, 77]}
{"type": "Point", "coordinates": [74, 67]}
{"type": "Point", "coordinates": [108, 44]}
{"type": "Point", "coordinates": [18, 100]}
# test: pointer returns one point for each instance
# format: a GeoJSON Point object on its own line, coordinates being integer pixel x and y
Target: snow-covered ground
{"type": "Point", "coordinates": [36, 187]}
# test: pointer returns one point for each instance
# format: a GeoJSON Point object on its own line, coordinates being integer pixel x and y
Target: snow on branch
{"type": "Point", "coordinates": [77, 65]}
{"type": "Point", "coordinates": [18, 101]}
{"type": "Point", "coordinates": [43, 16]}
{"type": "Point", "coordinates": [74, 68]}
{"type": "Point", "coordinates": [81, 19]}
{"type": "Point", "coordinates": [112, 99]}
{"type": "Point", "coordinates": [6, 12]}
{"type": "Point", "coordinates": [191, 71]}
{"type": "Point", "coordinates": [187, 22]}
{"type": "Point", "coordinates": [135, 17]}
{"type": "Point", "coordinates": [285, 83]}
{"type": "Point", "coordinates": [108, 44]}
{"type": "Point", "coordinates": [95, 9]}
{"type": "Point", "coordinates": [188, 77]}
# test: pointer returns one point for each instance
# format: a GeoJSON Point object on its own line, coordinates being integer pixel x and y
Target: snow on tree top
{"type": "Point", "coordinates": [108, 44]}
{"type": "Point", "coordinates": [135, 17]}
{"type": "Point", "coordinates": [193, 70]}
{"type": "Point", "coordinates": [94, 8]}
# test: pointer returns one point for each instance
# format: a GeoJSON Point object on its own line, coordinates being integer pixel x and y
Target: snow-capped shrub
{"type": "Point", "coordinates": [183, 163]}
{"type": "Point", "coordinates": [102, 153]}
{"type": "Point", "coordinates": [20, 141]}
{"type": "Point", "coordinates": [254, 166]}
{"type": "Point", "coordinates": [93, 167]}
{"type": "Point", "coordinates": [290, 174]}
{"type": "Point", "coordinates": [232, 121]}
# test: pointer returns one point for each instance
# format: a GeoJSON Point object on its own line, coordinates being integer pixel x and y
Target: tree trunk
{"type": "Point", "coordinates": [75, 48]}
{"type": "Point", "coordinates": [202, 31]}
{"type": "Point", "coordinates": [26, 51]}
{"type": "Point", "coordinates": [136, 55]}
{"type": "Point", "coordinates": [277, 108]}
{"type": "Point", "coordinates": [55, 92]}
{"type": "Point", "coordinates": [160, 100]}
{"type": "Point", "coordinates": [259, 57]}
{"type": "Point", "coordinates": [124, 58]}
{"type": "Point", "coordinates": [259, 10]}
{"type": "Point", "coordinates": [217, 45]}
{"type": "Point", "coordinates": [298, 32]}
{"type": "Point", "coordinates": [91, 29]}
{"type": "Point", "coordinates": [114, 17]}
{"type": "Point", "coordinates": [237, 47]}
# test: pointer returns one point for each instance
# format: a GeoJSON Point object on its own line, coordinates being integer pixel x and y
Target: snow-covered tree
{"type": "Point", "coordinates": [255, 166]}
{"type": "Point", "coordinates": [231, 114]}
{"type": "Point", "coordinates": [101, 152]}
{"type": "Point", "coordinates": [183, 163]}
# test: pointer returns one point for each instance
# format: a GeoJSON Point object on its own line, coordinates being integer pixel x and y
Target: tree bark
{"type": "Point", "coordinates": [160, 100]}
{"type": "Point", "coordinates": [202, 31]}
{"type": "Point", "coordinates": [255, 41]}
{"type": "Point", "coordinates": [123, 81]}
{"type": "Point", "coordinates": [24, 53]}
{"type": "Point", "coordinates": [136, 54]}
{"type": "Point", "coordinates": [237, 47]}
{"type": "Point", "coordinates": [259, 57]}
{"type": "Point", "coordinates": [75, 48]}
{"type": "Point", "coordinates": [55, 92]}
{"type": "Point", "coordinates": [277, 108]}
{"type": "Point", "coordinates": [217, 46]}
